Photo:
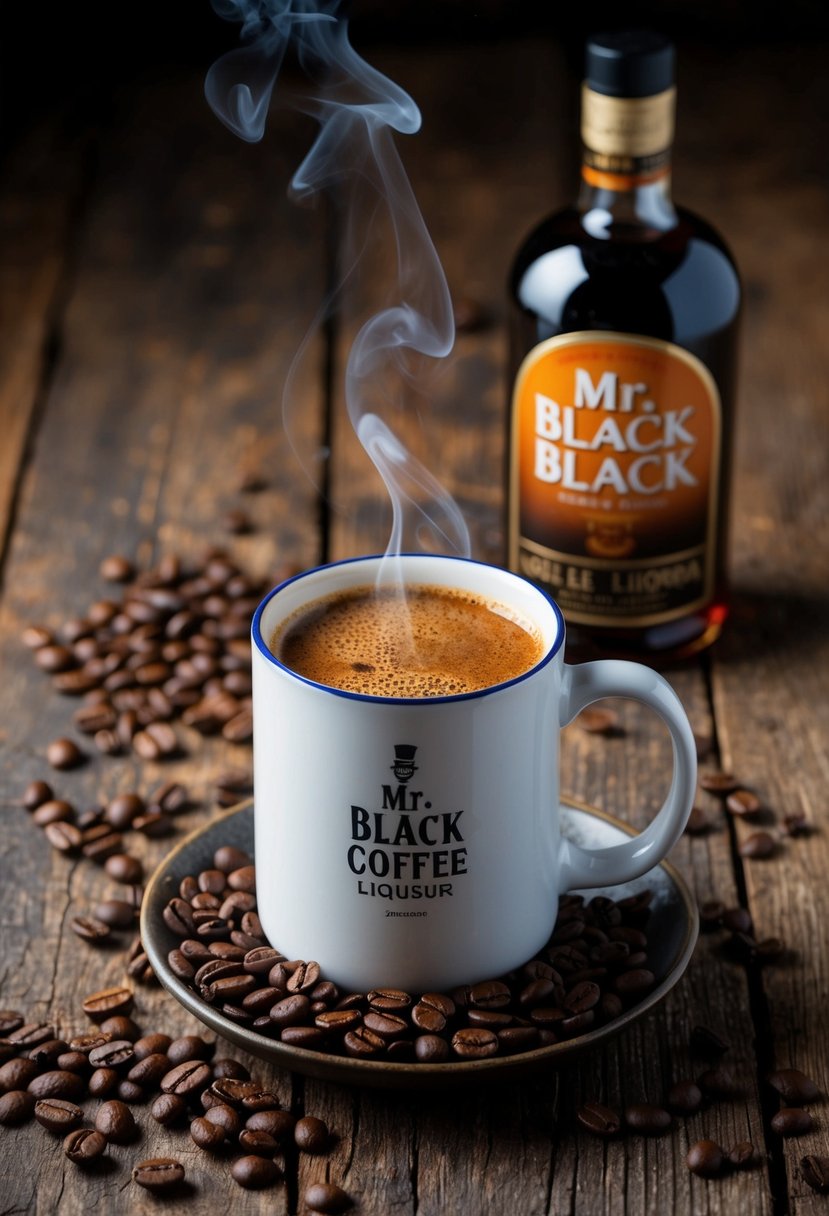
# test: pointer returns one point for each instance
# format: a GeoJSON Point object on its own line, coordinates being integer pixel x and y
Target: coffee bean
{"type": "Point", "coordinates": [64, 754]}
{"type": "Point", "coordinates": [698, 822]}
{"type": "Point", "coordinates": [794, 1087]}
{"type": "Point", "coordinates": [151, 1044]}
{"type": "Point", "coordinates": [187, 1078]}
{"type": "Point", "coordinates": [738, 920]}
{"type": "Point", "coordinates": [474, 1043]}
{"type": "Point", "coordinates": [116, 569]}
{"type": "Point", "coordinates": [90, 929]}
{"type": "Point", "coordinates": [227, 1119]}
{"type": "Point", "coordinates": [119, 1026]}
{"type": "Point", "coordinates": [705, 1158]}
{"type": "Point", "coordinates": [114, 1119]}
{"type": "Point", "coordinates": [326, 1198]}
{"type": "Point", "coordinates": [719, 783]}
{"type": "Point", "coordinates": [58, 1115]}
{"type": "Point", "coordinates": [719, 1082]}
{"type": "Point", "coordinates": [56, 810]}
{"type": "Point", "coordinates": [599, 1119]}
{"type": "Point", "coordinates": [102, 1082]}
{"type": "Point", "coordinates": [92, 719]}
{"type": "Point", "coordinates": [168, 1109]}
{"type": "Point", "coordinates": [158, 1173]}
{"type": "Point", "coordinates": [758, 845]}
{"type": "Point", "coordinates": [796, 823]}
{"type": "Point", "coordinates": [743, 802]}
{"type": "Point", "coordinates": [206, 1134]}
{"type": "Point", "coordinates": [261, 1143]}
{"type": "Point", "coordinates": [109, 1001]}
{"type": "Point", "coordinates": [103, 845]}
{"type": "Point", "coordinates": [54, 658]}
{"type": "Point", "coordinates": [228, 858]}
{"type": "Point", "coordinates": [742, 1155]}
{"type": "Point", "coordinates": [599, 721]}
{"type": "Point", "coordinates": [311, 1135]}
{"type": "Point", "coordinates": [647, 1119]}
{"type": "Point", "coordinates": [46, 1055]}
{"type": "Point", "coordinates": [16, 1107]}
{"type": "Point", "coordinates": [112, 1055]}
{"type": "Point", "coordinates": [56, 1084]}
{"type": "Point", "coordinates": [113, 914]}
{"type": "Point", "coordinates": [31, 1034]}
{"type": "Point", "coordinates": [122, 810]}
{"type": "Point", "coordinates": [253, 1172]}
{"type": "Point", "coordinates": [792, 1121]}
{"type": "Point", "coordinates": [36, 793]}
{"type": "Point", "coordinates": [491, 994]}
{"type": "Point", "coordinates": [35, 636]}
{"type": "Point", "coordinates": [710, 914]}
{"type": "Point", "coordinates": [16, 1074]}
{"type": "Point", "coordinates": [815, 1171]}
{"type": "Point", "coordinates": [189, 1047]}
{"type": "Point", "coordinates": [84, 1145]}
{"type": "Point", "coordinates": [73, 1061]}
{"type": "Point", "coordinates": [154, 824]}
{"type": "Point", "coordinates": [684, 1098]}
{"type": "Point", "coordinates": [178, 916]}
{"type": "Point", "coordinates": [243, 879]}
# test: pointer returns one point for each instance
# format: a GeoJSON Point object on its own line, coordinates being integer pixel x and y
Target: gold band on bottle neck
{"type": "Point", "coordinates": [627, 138]}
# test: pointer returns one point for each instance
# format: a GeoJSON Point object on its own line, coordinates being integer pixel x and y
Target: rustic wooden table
{"type": "Point", "coordinates": [155, 284]}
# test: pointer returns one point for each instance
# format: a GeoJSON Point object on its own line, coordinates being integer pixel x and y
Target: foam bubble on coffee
{"type": "Point", "coordinates": [434, 642]}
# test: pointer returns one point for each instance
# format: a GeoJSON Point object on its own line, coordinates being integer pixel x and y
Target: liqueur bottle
{"type": "Point", "coordinates": [623, 345]}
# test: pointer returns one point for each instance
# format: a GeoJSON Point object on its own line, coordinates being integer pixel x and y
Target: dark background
{"type": "Point", "coordinates": [77, 57]}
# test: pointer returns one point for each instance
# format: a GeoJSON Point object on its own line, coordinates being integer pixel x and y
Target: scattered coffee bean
{"type": "Point", "coordinates": [16, 1074]}
{"type": "Point", "coordinates": [277, 1123]}
{"type": "Point", "coordinates": [189, 1047]}
{"type": "Point", "coordinates": [792, 1121]}
{"type": "Point", "coordinates": [56, 810]}
{"type": "Point", "coordinates": [710, 914]}
{"type": "Point", "coordinates": [758, 845]}
{"type": "Point", "coordinates": [56, 1084]}
{"type": "Point", "coordinates": [815, 1171]}
{"type": "Point", "coordinates": [699, 821]}
{"type": "Point", "coordinates": [116, 569]}
{"type": "Point", "coordinates": [168, 1109]}
{"type": "Point", "coordinates": [738, 920]}
{"type": "Point", "coordinates": [115, 1120]}
{"type": "Point", "coordinates": [103, 1082]}
{"type": "Point", "coordinates": [207, 1134]}
{"type": "Point", "coordinates": [684, 1098]}
{"type": "Point", "coordinates": [64, 754]}
{"type": "Point", "coordinates": [719, 1082]}
{"type": "Point", "coordinates": [742, 1155]}
{"type": "Point", "coordinates": [743, 802]}
{"type": "Point", "coordinates": [326, 1198]}
{"type": "Point", "coordinates": [796, 823]}
{"type": "Point", "coordinates": [311, 1135]}
{"type": "Point", "coordinates": [36, 793]}
{"type": "Point", "coordinates": [253, 1172]}
{"type": "Point", "coordinates": [647, 1119]}
{"type": "Point", "coordinates": [90, 929]}
{"type": "Point", "coordinates": [84, 1145]}
{"type": "Point", "coordinates": [705, 1158]}
{"type": "Point", "coordinates": [58, 1115]}
{"type": "Point", "coordinates": [16, 1107]}
{"type": "Point", "coordinates": [158, 1173]}
{"type": "Point", "coordinates": [719, 783]}
{"type": "Point", "coordinates": [101, 1005]}
{"type": "Point", "coordinates": [599, 721]}
{"type": "Point", "coordinates": [599, 1119]}
{"type": "Point", "coordinates": [262, 1144]}
{"type": "Point", "coordinates": [794, 1087]}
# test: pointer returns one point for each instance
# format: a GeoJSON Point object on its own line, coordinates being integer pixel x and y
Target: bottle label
{"type": "Point", "coordinates": [615, 453]}
{"type": "Point", "coordinates": [627, 136]}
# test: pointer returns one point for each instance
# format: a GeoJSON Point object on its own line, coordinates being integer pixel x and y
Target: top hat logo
{"type": "Point", "coordinates": [404, 766]}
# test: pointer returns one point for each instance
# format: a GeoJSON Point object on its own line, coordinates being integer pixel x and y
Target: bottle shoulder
{"type": "Point", "coordinates": [681, 284]}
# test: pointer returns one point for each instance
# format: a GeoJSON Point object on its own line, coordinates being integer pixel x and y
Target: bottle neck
{"type": "Point", "coordinates": [611, 204]}
{"type": "Point", "coordinates": [626, 164]}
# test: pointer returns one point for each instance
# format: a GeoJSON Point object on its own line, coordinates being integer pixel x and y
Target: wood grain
{"type": "Point", "coordinates": [193, 282]}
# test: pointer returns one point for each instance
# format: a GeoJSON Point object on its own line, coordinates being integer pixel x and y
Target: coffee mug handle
{"type": "Point", "coordinates": [584, 683]}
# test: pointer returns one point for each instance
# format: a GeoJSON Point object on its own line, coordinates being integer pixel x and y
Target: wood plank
{"type": "Point", "coordinates": [769, 678]}
{"type": "Point", "coordinates": [43, 177]}
{"type": "Point", "coordinates": [194, 281]}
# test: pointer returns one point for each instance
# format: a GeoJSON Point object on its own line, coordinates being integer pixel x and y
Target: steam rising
{"type": "Point", "coordinates": [358, 110]}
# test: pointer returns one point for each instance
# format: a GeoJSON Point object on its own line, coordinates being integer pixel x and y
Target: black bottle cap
{"type": "Point", "coordinates": [629, 63]}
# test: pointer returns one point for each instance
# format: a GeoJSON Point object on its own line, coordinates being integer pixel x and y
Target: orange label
{"type": "Point", "coordinates": [615, 454]}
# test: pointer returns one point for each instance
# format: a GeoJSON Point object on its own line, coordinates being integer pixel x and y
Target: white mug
{"type": "Point", "coordinates": [415, 843]}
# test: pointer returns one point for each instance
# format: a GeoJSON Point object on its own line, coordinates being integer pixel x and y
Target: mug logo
{"type": "Point", "coordinates": [404, 766]}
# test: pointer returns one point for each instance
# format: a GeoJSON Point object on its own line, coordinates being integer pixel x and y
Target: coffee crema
{"type": "Point", "coordinates": [432, 641]}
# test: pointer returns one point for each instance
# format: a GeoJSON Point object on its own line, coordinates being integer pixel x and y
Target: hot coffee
{"type": "Point", "coordinates": [431, 642]}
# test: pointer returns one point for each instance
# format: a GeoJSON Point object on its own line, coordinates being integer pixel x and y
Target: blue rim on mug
{"type": "Point", "coordinates": [267, 653]}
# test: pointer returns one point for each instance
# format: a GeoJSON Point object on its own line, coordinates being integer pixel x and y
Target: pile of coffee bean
{"type": "Point", "coordinates": [174, 646]}
{"type": "Point", "coordinates": [47, 1078]}
{"type": "Point", "coordinates": [593, 968]}
{"type": "Point", "coordinates": [742, 803]}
